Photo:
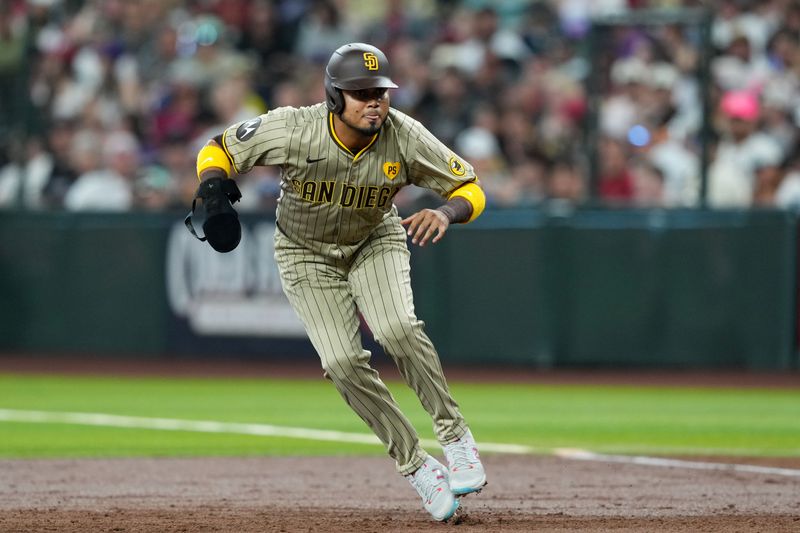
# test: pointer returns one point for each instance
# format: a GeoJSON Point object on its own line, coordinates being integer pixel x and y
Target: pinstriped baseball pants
{"type": "Point", "coordinates": [326, 294]}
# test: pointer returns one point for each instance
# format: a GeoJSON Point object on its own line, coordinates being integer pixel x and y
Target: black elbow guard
{"type": "Point", "coordinates": [221, 227]}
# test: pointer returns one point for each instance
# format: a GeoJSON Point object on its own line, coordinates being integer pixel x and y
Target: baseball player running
{"type": "Point", "coordinates": [341, 247]}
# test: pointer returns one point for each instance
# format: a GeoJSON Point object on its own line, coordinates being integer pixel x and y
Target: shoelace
{"type": "Point", "coordinates": [426, 480]}
{"type": "Point", "coordinates": [458, 454]}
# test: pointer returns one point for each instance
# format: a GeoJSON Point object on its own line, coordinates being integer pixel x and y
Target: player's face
{"type": "Point", "coordinates": [365, 110]}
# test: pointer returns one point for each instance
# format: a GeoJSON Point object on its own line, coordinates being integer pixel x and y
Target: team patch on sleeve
{"type": "Point", "coordinates": [456, 166]}
{"type": "Point", "coordinates": [248, 129]}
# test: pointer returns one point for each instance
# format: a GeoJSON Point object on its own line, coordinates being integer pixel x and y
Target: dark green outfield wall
{"type": "Point", "coordinates": [82, 283]}
{"type": "Point", "coordinates": [671, 289]}
{"type": "Point", "coordinates": [587, 288]}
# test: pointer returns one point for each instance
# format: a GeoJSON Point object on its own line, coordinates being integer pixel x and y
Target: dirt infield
{"type": "Point", "coordinates": [526, 493]}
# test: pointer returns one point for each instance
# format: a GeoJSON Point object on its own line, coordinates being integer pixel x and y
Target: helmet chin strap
{"type": "Point", "coordinates": [341, 99]}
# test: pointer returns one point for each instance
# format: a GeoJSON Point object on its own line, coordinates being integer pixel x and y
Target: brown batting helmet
{"type": "Point", "coordinates": [353, 67]}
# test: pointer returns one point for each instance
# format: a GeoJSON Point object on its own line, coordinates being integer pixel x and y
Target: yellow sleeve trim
{"type": "Point", "coordinates": [228, 153]}
{"type": "Point", "coordinates": [211, 156]}
{"type": "Point", "coordinates": [472, 193]}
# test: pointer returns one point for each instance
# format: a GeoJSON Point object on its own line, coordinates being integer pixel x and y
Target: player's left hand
{"type": "Point", "coordinates": [425, 224]}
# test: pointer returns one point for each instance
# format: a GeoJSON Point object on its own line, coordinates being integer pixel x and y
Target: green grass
{"type": "Point", "coordinates": [612, 419]}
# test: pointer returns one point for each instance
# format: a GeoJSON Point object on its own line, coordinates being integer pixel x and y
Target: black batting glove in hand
{"type": "Point", "coordinates": [221, 227]}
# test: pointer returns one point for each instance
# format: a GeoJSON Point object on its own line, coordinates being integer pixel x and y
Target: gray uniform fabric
{"type": "Point", "coordinates": [340, 249]}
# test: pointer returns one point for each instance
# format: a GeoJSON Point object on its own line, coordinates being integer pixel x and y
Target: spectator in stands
{"type": "Point", "coordinates": [517, 135]}
{"type": "Point", "coordinates": [154, 190]}
{"type": "Point", "coordinates": [322, 29]}
{"type": "Point", "coordinates": [153, 69]}
{"type": "Point", "coordinates": [729, 185]}
{"type": "Point", "coordinates": [12, 58]}
{"type": "Point", "coordinates": [769, 173]}
{"type": "Point", "coordinates": [620, 110]}
{"type": "Point", "coordinates": [411, 72]}
{"type": "Point", "coordinates": [788, 194]}
{"type": "Point", "coordinates": [480, 39]}
{"type": "Point", "coordinates": [175, 112]}
{"type": "Point", "coordinates": [616, 183]}
{"type": "Point", "coordinates": [264, 34]}
{"type": "Point", "coordinates": [446, 105]}
{"type": "Point", "coordinates": [105, 185]}
{"type": "Point", "coordinates": [529, 182]}
{"type": "Point", "coordinates": [740, 68]}
{"type": "Point", "coordinates": [742, 149]}
{"type": "Point", "coordinates": [565, 183]}
{"type": "Point", "coordinates": [648, 185]}
{"type": "Point", "coordinates": [209, 55]}
{"type": "Point", "coordinates": [10, 176]}
{"type": "Point", "coordinates": [42, 173]}
{"type": "Point", "coordinates": [481, 143]}
{"type": "Point", "coordinates": [779, 101]}
{"type": "Point", "coordinates": [678, 166]}
{"type": "Point", "coordinates": [177, 159]}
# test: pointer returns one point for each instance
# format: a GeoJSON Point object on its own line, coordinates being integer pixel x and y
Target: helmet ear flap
{"type": "Point", "coordinates": [333, 96]}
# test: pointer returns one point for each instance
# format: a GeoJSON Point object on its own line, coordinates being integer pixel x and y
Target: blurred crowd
{"type": "Point", "coordinates": [117, 96]}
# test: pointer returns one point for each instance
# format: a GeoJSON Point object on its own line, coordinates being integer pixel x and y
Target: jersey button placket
{"type": "Point", "coordinates": [347, 181]}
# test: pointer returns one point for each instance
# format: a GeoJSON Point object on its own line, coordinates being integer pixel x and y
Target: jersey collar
{"type": "Point", "coordinates": [341, 144]}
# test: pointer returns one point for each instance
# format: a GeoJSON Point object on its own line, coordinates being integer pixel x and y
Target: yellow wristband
{"type": "Point", "coordinates": [211, 156]}
{"type": "Point", "coordinates": [472, 193]}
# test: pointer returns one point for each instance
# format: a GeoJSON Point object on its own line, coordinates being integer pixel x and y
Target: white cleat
{"type": "Point", "coordinates": [466, 471]}
{"type": "Point", "coordinates": [430, 480]}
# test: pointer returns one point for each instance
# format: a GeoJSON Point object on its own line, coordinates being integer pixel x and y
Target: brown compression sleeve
{"type": "Point", "coordinates": [457, 209]}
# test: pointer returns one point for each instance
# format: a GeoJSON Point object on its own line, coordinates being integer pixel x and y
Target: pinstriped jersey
{"type": "Point", "coordinates": [331, 199]}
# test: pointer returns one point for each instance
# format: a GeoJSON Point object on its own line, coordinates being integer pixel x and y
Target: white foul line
{"type": "Point", "coordinates": [585, 455]}
{"type": "Point", "coordinates": [267, 430]}
{"type": "Point", "coordinates": [210, 426]}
